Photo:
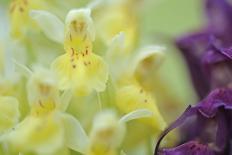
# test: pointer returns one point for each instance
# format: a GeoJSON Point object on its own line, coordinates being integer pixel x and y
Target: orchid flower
{"type": "Point", "coordinates": [121, 17]}
{"type": "Point", "coordinates": [19, 15]}
{"type": "Point", "coordinates": [108, 131]}
{"type": "Point", "coordinates": [47, 128]}
{"type": "Point", "coordinates": [79, 68]}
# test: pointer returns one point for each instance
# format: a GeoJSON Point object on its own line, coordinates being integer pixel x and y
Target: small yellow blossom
{"type": "Point", "coordinates": [47, 127]}
{"type": "Point", "coordinates": [19, 15]}
{"type": "Point", "coordinates": [79, 68]}
{"type": "Point", "coordinates": [43, 94]}
{"type": "Point", "coordinates": [130, 95]}
{"type": "Point", "coordinates": [116, 16]}
{"type": "Point", "coordinates": [106, 134]}
{"type": "Point", "coordinates": [108, 131]}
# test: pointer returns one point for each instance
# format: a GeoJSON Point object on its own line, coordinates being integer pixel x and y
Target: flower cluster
{"type": "Point", "coordinates": [84, 77]}
{"type": "Point", "coordinates": [206, 127]}
{"type": "Point", "coordinates": [72, 79]}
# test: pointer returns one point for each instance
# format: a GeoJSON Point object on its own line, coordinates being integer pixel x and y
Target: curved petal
{"type": "Point", "coordinates": [156, 53]}
{"type": "Point", "coordinates": [140, 113]}
{"type": "Point", "coordinates": [51, 25]}
{"type": "Point", "coordinates": [75, 135]}
{"type": "Point", "coordinates": [117, 57]}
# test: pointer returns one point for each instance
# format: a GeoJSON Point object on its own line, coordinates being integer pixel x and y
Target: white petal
{"type": "Point", "coordinates": [76, 138]}
{"type": "Point", "coordinates": [141, 113]}
{"type": "Point", "coordinates": [51, 25]}
{"type": "Point", "coordinates": [117, 46]}
{"type": "Point", "coordinates": [85, 15]}
{"type": "Point", "coordinates": [149, 51]}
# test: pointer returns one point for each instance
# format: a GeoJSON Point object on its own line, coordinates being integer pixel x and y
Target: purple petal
{"type": "Point", "coordinates": [215, 100]}
{"type": "Point", "coordinates": [218, 65]}
{"type": "Point", "coordinates": [193, 47]}
{"type": "Point", "coordinates": [211, 123]}
{"type": "Point", "coordinates": [189, 148]}
{"type": "Point", "coordinates": [219, 13]}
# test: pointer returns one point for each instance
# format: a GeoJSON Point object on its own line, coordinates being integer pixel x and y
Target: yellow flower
{"type": "Point", "coordinates": [130, 95]}
{"type": "Point", "coordinates": [108, 131]}
{"type": "Point", "coordinates": [116, 16]}
{"type": "Point", "coordinates": [47, 128]}
{"type": "Point", "coordinates": [133, 97]}
{"type": "Point", "coordinates": [79, 68]}
{"type": "Point", "coordinates": [43, 94]}
{"type": "Point", "coordinates": [20, 20]}
{"type": "Point", "coordinates": [106, 134]}
{"type": "Point", "coordinates": [38, 134]}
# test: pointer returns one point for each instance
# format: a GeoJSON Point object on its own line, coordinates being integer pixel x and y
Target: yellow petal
{"type": "Point", "coordinates": [19, 15]}
{"type": "Point", "coordinates": [107, 133]}
{"type": "Point", "coordinates": [9, 113]}
{"type": "Point", "coordinates": [43, 93]}
{"type": "Point", "coordinates": [37, 134]}
{"type": "Point", "coordinates": [133, 97]}
{"type": "Point", "coordinates": [119, 18]}
{"type": "Point", "coordinates": [85, 73]}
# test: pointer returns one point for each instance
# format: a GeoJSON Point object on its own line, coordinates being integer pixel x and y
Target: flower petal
{"type": "Point", "coordinates": [76, 138]}
{"type": "Point", "coordinates": [41, 135]}
{"type": "Point", "coordinates": [140, 113]}
{"type": "Point", "coordinates": [219, 19]}
{"type": "Point", "coordinates": [51, 25]}
{"type": "Point", "coordinates": [154, 52]}
{"type": "Point", "coordinates": [84, 75]}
